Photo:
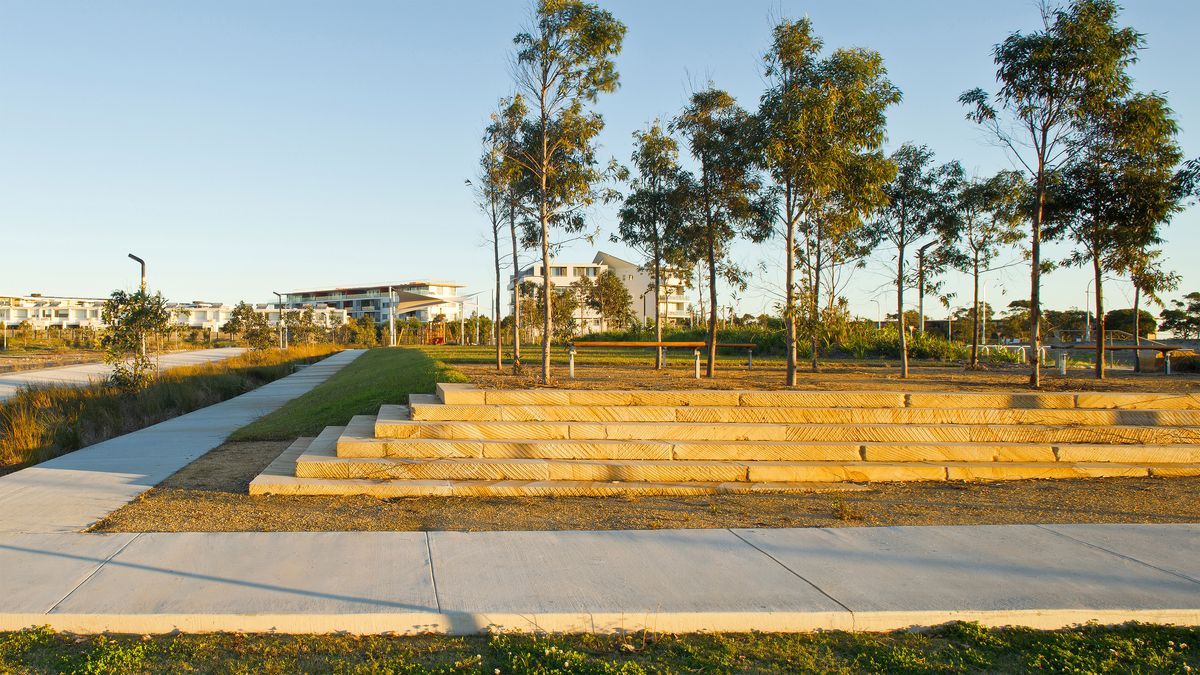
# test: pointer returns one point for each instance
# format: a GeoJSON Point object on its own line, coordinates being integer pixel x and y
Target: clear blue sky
{"type": "Point", "coordinates": [245, 147]}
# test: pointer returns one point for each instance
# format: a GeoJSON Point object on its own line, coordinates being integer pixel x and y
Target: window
{"type": "Point", "coordinates": [558, 271]}
{"type": "Point", "coordinates": [589, 271]}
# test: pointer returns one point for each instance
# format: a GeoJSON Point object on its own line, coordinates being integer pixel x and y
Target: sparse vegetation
{"type": "Point", "coordinates": [44, 422]}
{"type": "Point", "coordinates": [953, 648]}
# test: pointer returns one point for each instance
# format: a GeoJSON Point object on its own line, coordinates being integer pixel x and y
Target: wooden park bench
{"type": "Point", "coordinates": [1165, 350]}
{"type": "Point", "coordinates": [695, 346]}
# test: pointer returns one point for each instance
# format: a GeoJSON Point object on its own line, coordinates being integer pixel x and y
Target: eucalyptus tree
{"type": "Point", "coordinates": [653, 215]}
{"type": "Point", "coordinates": [563, 62]}
{"type": "Point", "coordinates": [727, 196]}
{"type": "Point", "coordinates": [1150, 280]}
{"type": "Point", "coordinates": [822, 125]}
{"type": "Point", "coordinates": [495, 198]}
{"type": "Point", "coordinates": [1119, 190]}
{"type": "Point", "coordinates": [500, 191]}
{"type": "Point", "coordinates": [918, 211]}
{"type": "Point", "coordinates": [989, 217]}
{"type": "Point", "coordinates": [1048, 80]}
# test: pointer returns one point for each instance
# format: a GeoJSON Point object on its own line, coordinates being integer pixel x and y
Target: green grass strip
{"type": "Point", "coordinates": [385, 375]}
{"type": "Point", "coordinates": [953, 648]}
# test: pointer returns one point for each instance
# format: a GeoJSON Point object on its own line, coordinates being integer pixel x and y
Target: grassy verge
{"type": "Point", "coordinates": [380, 376]}
{"type": "Point", "coordinates": [43, 422]}
{"type": "Point", "coordinates": [954, 648]}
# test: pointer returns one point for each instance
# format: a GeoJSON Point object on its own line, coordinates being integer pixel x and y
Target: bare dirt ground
{"type": "Point", "coordinates": [680, 375]}
{"type": "Point", "coordinates": [210, 495]}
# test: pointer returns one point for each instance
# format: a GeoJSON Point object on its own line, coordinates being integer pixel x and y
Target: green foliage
{"type": "Point", "coordinates": [920, 210]}
{"type": "Point", "coordinates": [132, 318]}
{"type": "Point", "coordinates": [1051, 80]}
{"type": "Point", "coordinates": [1183, 317]}
{"type": "Point", "coordinates": [564, 61]}
{"type": "Point", "coordinates": [1122, 320]}
{"type": "Point", "coordinates": [822, 126]}
{"type": "Point", "coordinates": [727, 197]}
{"type": "Point", "coordinates": [251, 326]}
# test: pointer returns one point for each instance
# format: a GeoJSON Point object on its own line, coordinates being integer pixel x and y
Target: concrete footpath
{"type": "Point", "coordinates": [69, 493]}
{"type": "Point", "coordinates": [667, 580]}
{"type": "Point", "coordinates": [86, 373]}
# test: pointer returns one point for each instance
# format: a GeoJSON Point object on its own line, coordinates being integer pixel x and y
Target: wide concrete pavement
{"type": "Point", "coordinates": [85, 373]}
{"type": "Point", "coordinates": [69, 493]}
{"type": "Point", "coordinates": [667, 580]}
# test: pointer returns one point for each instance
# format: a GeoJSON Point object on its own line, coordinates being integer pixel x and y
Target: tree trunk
{"type": "Point", "coordinates": [658, 352]}
{"type": "Point", "coordinates": [512, 228]}
{"type": "Point", "coordinates": [1035, 275]}
{"type": "Point", "coordinates": [975, 314]}
{"type": "Point", "coordinates": [900, 311]}
{"type": "Point", "coordinates": [789, 306]}
{"type": "Point", "coordinates": [1099, 317]}
{"type": "Point", "coordinates": [496, 308]}
{"type": "Point", "coordinates": [547, 292]}
{"type": "Point", "coordinates": [711, 365]}
{"type": "Point", "coordinates": [815, 318]}
{"type": "Point", "coordinates": [1137, 328]}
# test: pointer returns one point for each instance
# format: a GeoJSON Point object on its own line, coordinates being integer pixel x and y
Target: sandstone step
{"type": "Point", "coordinates": [395, 422]}
{"type": "Point", "coordinates": [279, 478]}
{"type": "Point", "coordinates": [317, 460]}
{"type": "Point", "coordinates": [468, 394]}
{"type": "Point", "coordinates": [427, 407]}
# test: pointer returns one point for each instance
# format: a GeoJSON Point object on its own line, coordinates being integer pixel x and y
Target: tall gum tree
{"type": "Point", "coordinates": [918, 211]}
{"type": "Point", "coordinates": [1118, 191]}
{"type": "Point", "coordinates": [505, 131]}
{"type": "Point", "coordinates": [989, 219]}
{"type": "Point", "coordinates": [653, 214]}
{"type": "Point", "coordinates": [727, 197]}
{"type": "Point", "coordinates": [1048, 78]}
{"type": "Point", "coordinates": [822, 125]}
{"type": "Point", "coordinates": [563, 62]}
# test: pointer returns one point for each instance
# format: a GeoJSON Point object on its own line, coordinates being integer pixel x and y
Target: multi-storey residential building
{"type": "Point", "coordinates": [46, 311]}
{"type": "Point", "coordinates": [638, 281]}
{"type": "Point", "coordinates": [423, 300]}
{"type": "Point", "coordinates": [213, 315]}
{"type": "Point", "coordinates": [41, 312]}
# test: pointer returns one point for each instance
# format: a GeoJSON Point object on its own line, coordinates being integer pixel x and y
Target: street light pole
{"type": "Point", "coordinates": [143, 287]}
{"type": "Point", "coordinates": [391, 318]}
{"type": "Point", "coordinates": [282, 339]}
{"type": "Point", "coordinates": [1087, 307]}
{"type": "Point", "coordinates": [143, 264]}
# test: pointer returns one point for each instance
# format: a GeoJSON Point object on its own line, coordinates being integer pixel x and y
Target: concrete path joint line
{"type": "Point", "coordinates": [1119, 555]}
{"type": "Point", "coordinates": [95, 571]}
{"type": "Point", "coordinates": [793, 572]}
{"type": "Point", "coordinates": [432, 573]}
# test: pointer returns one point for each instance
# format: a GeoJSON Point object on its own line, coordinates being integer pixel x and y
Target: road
{"type": "Point", "coordinates": [78, 375]}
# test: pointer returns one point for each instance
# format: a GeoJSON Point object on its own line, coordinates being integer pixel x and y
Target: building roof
{"type": "Point", "coordinates": [384, 285]}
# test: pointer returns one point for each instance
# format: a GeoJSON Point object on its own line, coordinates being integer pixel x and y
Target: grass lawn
{"type": "Point", "coordinates": [385, 375]}
{"type": "Point", "coordinates": [616, 368]}
{"type": "Point", "coordinates": [954, 648]}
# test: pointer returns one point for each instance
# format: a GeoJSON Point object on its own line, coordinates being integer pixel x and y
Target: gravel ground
{"type": "Point", "coordinates": [209, 495]}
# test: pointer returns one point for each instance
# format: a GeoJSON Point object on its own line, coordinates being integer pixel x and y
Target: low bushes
{"type": "Point", "coordinates": [855, 341]}
{"type": "Point", "coordinates": [43, 422]}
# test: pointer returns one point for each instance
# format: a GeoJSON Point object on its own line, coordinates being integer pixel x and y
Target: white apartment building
{"type": "Point", "coordinates": [639, 282]}
{"type": "Point", "coordinates": [423, 300]}
{"type": "Point", "coordinates": [47, 311]}
{"type": "Point", "coordinates": [42, 312]}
